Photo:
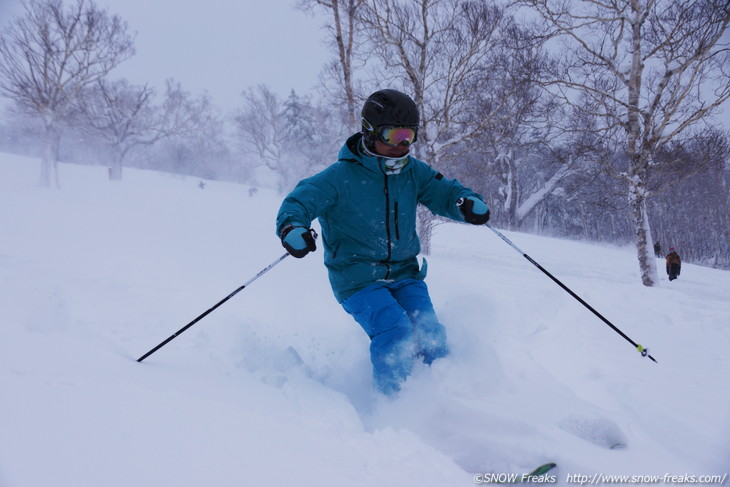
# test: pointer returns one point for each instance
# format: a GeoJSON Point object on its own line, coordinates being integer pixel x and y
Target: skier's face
{"type": "Point", "coordinates": [390, 151]}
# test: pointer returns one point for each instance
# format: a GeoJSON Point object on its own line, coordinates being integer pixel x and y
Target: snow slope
{"type": "Point", "coordinates": [273, 388]}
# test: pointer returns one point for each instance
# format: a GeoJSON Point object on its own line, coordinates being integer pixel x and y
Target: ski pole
{"type": "Point", "coordinates": [644, 351]}
{"type": "Point", "coordinates": [261, 273]}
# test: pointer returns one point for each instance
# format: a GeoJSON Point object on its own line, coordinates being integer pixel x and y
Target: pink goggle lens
{"type": "Point", "coordinates": [397, 135]}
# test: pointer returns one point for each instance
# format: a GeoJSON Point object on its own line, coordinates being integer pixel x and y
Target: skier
{"type": "Point", "coordinates": [674, 264]}
{"type": "Point", "coordinates": [657, 249]}
{"type": "Point", "coordinates": [366, 205]}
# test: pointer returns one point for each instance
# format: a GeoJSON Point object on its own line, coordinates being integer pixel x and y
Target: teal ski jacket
{"type": "Point", "coordinates": [368, 218]}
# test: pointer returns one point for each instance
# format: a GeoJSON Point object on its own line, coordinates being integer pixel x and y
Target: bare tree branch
{"type": "Point", "coordinates": [653, 68]}
{"type": "Point", "coordinates": [51, 53]}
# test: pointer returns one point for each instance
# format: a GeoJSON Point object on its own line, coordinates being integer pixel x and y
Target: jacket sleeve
{"type": "Point", "coordinates": [308, 200]}
{"type": "Point", "coordinates": [440, 194]}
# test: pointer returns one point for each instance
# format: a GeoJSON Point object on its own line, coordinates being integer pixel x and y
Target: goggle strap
{"type": "Point", "coordinates": [367, 125]}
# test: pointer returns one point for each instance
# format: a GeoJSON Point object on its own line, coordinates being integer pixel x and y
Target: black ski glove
{"type": "Point", "coordinates": [475, 211]}
{"type": "Point", "coordinates": [298, 241]}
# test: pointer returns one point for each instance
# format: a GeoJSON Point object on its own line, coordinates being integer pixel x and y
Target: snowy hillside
{"type": "Point", "coordinates": [273, 388]}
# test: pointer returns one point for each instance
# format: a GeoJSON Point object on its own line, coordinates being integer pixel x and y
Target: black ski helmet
{"type": "Point", "coordinates": [388, 107]}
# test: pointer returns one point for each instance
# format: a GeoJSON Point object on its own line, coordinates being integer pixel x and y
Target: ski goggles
{"type": "Point", "coordinates": [393, 136]}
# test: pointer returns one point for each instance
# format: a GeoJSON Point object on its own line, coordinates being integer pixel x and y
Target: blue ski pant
{"type": "Point", "coordinates": [402, 326]}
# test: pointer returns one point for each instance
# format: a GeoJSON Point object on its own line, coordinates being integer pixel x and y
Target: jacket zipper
{"type": "Point", "coordinates": [397, 230]}
{"type": "Point", "coordinates": [386, 262]}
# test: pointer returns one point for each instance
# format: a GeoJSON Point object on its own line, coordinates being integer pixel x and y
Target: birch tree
{"type": "Point", "coordinates": [343, 26]}
{"type": "Point", "coordinates": [523, 130]}
{"type": "Point", "coordinates": [49, 54]}
{"type": "Point", "coordinates": [648, 71]}
{"type": "Point", "coordinates": [439, 52]}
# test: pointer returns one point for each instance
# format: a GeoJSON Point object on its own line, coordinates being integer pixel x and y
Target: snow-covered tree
{"type": "Point", "coordinates": [342, 25]}
{"type": "Point", "coordinates": [689, 208]}
{"type": "Point", "coordinates": [207, 144]}
{"type": "Point", "coordinates": [125, 116]}
{"type": "Point", "coordinates": [649, 71]}
{"type": "Point", "coordinates": [50, 53]}
{"type": "Point", "coordinates": [202, 151]}
{"type": "Point", "coordinates": [515, 148]}
{"type": "Point", "coordinates": [260, 127]}
{"type": "Point", "coordinates": [292, 137]}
